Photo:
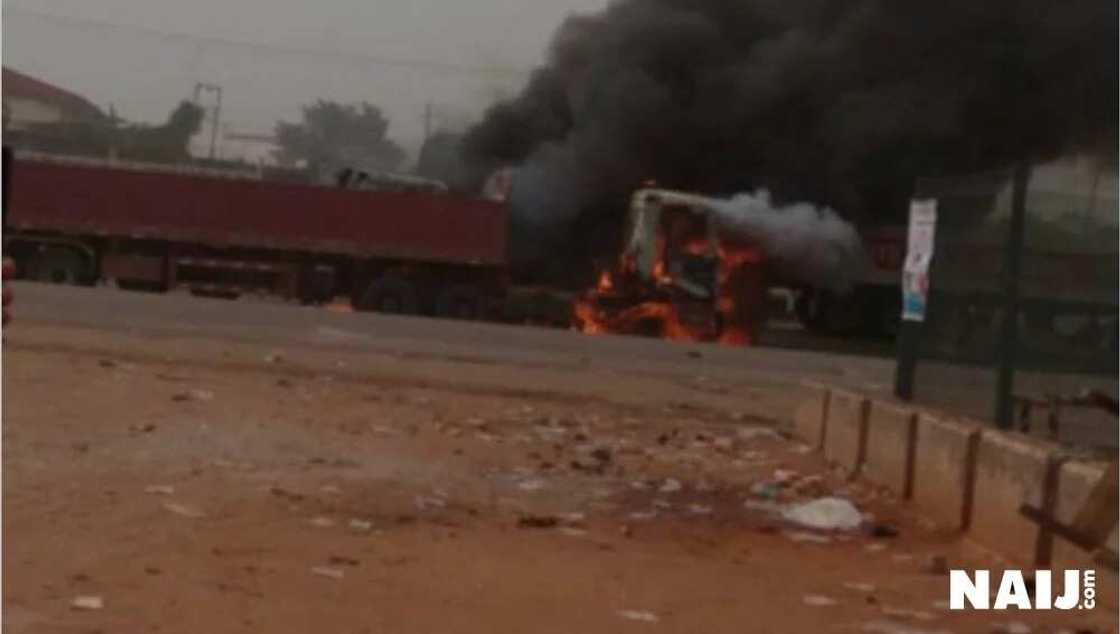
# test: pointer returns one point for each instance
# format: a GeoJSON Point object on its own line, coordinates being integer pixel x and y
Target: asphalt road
{"type": "Point", "coordinates": [960, 389]}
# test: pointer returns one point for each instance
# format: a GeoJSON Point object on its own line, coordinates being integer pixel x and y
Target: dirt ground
{"type": "Point", "coordinates": [210, 486]}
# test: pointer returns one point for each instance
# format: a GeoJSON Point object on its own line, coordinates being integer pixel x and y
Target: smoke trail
{"type": "Point", "coordinates": [806, 244]}
{"type": "Point", "coordinates": [842, 102]}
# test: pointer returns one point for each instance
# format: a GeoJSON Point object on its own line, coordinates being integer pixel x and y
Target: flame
{"type": "Point", "coordinates": [641, 318]}
{"type": "Point", "coordinates": [739, 307]}
{"type": "Point", "coordinates": [605, 283]}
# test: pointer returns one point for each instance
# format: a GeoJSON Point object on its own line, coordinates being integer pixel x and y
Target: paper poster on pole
{"type": "Point", "coordinates": [919, 254]}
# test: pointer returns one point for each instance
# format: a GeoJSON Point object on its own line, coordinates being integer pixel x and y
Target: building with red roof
{"type": "Point", "coordinates": [28, 101]}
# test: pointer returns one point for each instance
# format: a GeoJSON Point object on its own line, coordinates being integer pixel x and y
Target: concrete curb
{"type": "Point", "coordinates": [956, 472]}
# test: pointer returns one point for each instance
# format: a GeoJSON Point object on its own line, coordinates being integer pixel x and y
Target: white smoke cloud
{"type": "Point", "coordinates": [808, 244]}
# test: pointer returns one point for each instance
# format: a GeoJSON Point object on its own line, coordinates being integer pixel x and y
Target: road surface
{"type": "Point", "coordinates": [963, 390]}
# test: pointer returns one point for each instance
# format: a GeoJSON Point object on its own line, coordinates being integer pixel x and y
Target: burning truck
{"type": "Point", "coordinates": [679, 276]}
{"type": "Point", "coordinates": [699, 268]}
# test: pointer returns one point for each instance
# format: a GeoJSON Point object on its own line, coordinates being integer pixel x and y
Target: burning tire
{"type": "Point", "coordinates": [389, 294]}
{"type": "Point", "coordinates": [461, 301]}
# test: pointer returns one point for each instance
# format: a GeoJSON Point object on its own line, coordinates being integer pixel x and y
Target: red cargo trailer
{"type": "Point", "coordinates": [153, 228]}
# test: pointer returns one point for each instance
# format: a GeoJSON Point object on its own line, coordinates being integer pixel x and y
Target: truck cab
{"type": "Point", "coordinates": [673, 241]}
{"type": "Point", "coordinates": [677, 277]}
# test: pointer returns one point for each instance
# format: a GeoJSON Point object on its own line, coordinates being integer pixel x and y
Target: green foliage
{"type": "Point", "coordinates": [333, 135]}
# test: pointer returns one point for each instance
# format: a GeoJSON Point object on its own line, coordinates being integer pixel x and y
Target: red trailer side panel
{"type": "Point", "coordinates": [226, 212]}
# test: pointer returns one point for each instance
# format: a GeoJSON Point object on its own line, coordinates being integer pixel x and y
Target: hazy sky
{"type": "Point", "coordinates": [399, 54]}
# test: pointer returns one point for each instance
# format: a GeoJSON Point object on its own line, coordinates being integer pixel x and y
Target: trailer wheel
{"type": "Point", "coordinates": [57, 265]}
{"type": "Point", "coordinates": [461, 301]}
{"type": "Point", "coordinates": [389, 295]}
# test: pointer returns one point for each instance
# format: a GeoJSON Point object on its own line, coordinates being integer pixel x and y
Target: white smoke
{"type": "Point", "coordinates": [808, 244]}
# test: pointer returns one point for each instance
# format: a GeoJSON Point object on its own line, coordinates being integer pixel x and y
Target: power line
{"type": "Point", "coordinates": [399, 62]}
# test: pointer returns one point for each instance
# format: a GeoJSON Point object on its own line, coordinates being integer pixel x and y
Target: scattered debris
{"type": "Point", "coordinates": [784, 476]}
{"type": "Point", "coordinates": [807, 537]}
{"type": "Point", "coordinates": [182, 509]}
{"type": "Point", "coordinates": [159, 489]}
{"type": "Point", "coordinates": [107, 363]}
{"type": "Point", "coordinates": [537, 521]}
{"type": "Point", "coordinates": [362, 526]}
{"type": "Point", "coordinates": [643, 515]}
{"type": "Point", "coordinates": [339, 560]}
{"type": "Point", "coordinates": [825, 514]}
{"type": "Point", "coordinates": [574, 518]}
{"type": "Point", "coordinates": [327, 571]}
{"type": "Point", "coordinates": [670, 485]}
{"type": "Point", "coordinates": [882, 530]}
{"type": "Point", "coordinates": [87, 603]}
{"type": "Point", "coordinates": [765, 490]}
{"type": "Point", "coordinates": [424, 503]}
{"type": "Point", "coordinates": [818, 601]}
{"type": "Point", "coordinates": [753, 433]}
{"type": "Point", "coordinates": [625, 530]}
{"type": "Point", "coordinates": [573, 532]}
{"type": "Point", "coordinates": [938, 565]}
{"type": "Point", "coordinates": [193, 395]}
{"type": "Point", "coordinates": [602, 454]}
{"type": "Point", "coordinates": [330, 489]}
{"type": "Point", "coordinates": [724, 443]}
{"type": "Point", "coordinates": [858, 586]}
{"type": "Point", "coordinates": [273, 357]}
{"type": "Point", "coordinates": [144, 429]}
{"type": "Point", "coordinates": [639, 615]}
{"type": "Point", "coordinates": [531, 485]}
{"type": "Point", "coordinates": [286, 494]}
{"type": "Point", "coordinates": [875, 548]}
{"type": "Point", "coordinates": [321, 522]}
{"type": "Point", "coordinates": [699, 509]}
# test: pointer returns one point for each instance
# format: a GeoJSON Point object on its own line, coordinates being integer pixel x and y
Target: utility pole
{"type": "Point", "coordinates": [217, 90]}
{"type": "Point", "coordinates": [1009, 329]}
{"type": "Point", "coordinates": [427, 122]}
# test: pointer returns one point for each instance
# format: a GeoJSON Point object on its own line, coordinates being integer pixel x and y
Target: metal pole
{"type": "Point", "coordinates": [909, 334]}
{"type": "Point", "coordinates": [217, 120]}
{"type": "Point", "coordinates": [427, 122]}
{"type": "Point", "coordinates": [908, 341]}
{"type": "Point", "coordinates": [1009, 331]}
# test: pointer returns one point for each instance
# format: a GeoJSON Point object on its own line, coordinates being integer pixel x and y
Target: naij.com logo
{"type": "Point", "coordinates": [972, 589]}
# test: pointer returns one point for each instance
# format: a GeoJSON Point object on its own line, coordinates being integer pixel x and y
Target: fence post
{"type": "Point", "coordinates": [1009, 329]}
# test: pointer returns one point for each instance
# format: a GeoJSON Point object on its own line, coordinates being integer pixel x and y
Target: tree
{"type": "Point", "coordinates": [166, 143]}
{"type": "Point", "coordinates": [333, 135]}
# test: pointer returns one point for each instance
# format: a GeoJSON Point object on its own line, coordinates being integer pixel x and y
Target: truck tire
{"type": "Point", "coordinates": [58, 265]}
{"type": "Point", "coordinates": [461, 301]}
{"type": "Point", "coordinates": [391, 295]}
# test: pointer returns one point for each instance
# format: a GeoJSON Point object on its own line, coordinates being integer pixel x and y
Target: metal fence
{"type": "Point", "coordinates": [1062, 285]}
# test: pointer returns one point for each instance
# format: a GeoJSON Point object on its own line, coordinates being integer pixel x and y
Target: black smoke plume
{"type": "Point", "coordinates": [839, 102]}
